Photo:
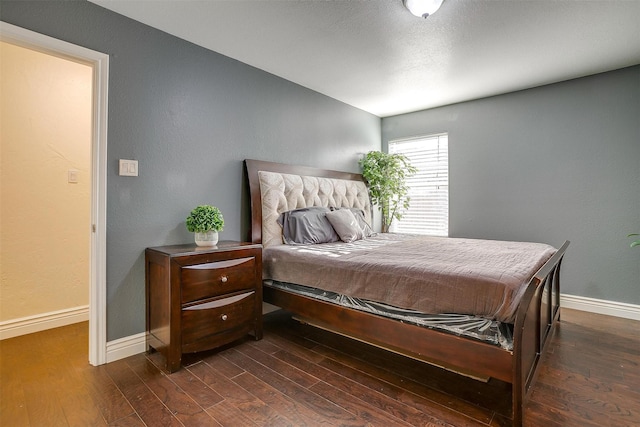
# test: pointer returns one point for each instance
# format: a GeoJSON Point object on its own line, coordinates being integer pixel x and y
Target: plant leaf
{"type": "Point", "coordinates": [386, 175]}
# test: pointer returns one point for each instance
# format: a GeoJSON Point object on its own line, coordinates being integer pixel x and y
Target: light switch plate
{"type": "Point", "coordinates": [128, 167]}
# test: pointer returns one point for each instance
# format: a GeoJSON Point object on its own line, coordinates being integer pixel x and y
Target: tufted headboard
{"type": "Point", "coordinates": [275, 188]}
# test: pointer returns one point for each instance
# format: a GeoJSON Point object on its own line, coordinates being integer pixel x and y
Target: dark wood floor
{"type": "Point", "coordinates": [298, 375]}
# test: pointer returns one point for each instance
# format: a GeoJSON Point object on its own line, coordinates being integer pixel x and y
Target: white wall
{"type": "Point", "coordinates": [44, 220]}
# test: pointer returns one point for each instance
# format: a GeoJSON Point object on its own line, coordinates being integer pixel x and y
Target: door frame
{"type": "Point", "coordinates": [98, 257]}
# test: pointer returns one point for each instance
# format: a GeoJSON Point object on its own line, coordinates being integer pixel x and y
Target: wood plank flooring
{"type": "Point", "coordinates": [301, 376]}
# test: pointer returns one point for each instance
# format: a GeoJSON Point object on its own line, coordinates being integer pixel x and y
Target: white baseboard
{"type": "Point", "coordinates": [41, 322]}
{"type": "Point", "coordinates": [125, 347]}
{"type": "Point", "coordinates": [136, 344]}
{"type": "Point", "coordinates": [599, 306]}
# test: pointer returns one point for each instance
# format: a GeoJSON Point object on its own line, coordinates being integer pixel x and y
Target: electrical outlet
{"type": "Point", "coordinates": [128, 167]}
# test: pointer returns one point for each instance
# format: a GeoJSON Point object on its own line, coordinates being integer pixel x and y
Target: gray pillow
{"type": "Point", "coordinates": [359, 214]}
{"type": "Point", "coordinates": [307, 226]}
{"type": "Point", "coordinates": [346, 225]}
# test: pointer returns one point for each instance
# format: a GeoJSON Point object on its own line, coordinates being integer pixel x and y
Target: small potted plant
{"type": "Point", "coordinates": [386, 175]}
{"type": "Point", "coordinates": [636, 242]}
{"type": "Point", "coordinates": [205, 221]}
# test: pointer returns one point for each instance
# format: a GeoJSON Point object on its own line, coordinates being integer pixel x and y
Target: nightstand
{"type": "Point", "coordinates": [199, 298]}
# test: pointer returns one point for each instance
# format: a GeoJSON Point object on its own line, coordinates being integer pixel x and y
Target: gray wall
{"type": "Point", "coordinates": [548, 164]}
{"type": "Point", "coordinates": [189, 116]}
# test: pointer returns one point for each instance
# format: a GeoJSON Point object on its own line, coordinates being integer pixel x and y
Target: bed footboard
{"type": "Point", "coordinates": [537, 315]}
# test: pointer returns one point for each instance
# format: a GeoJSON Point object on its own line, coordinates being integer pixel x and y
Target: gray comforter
{"type": "Point", "coordinates": [434, 275]}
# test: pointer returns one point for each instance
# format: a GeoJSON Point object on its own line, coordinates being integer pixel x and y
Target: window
{"type": "Point", "coordinates": [428, 212]}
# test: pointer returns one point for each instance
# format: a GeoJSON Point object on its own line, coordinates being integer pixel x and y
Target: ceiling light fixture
{"type": "Point", "coordinates": [422, 8]}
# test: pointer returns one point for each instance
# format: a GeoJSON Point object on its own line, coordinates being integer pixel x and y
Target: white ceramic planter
{"type": "Point", "coordinates": [208, 238]}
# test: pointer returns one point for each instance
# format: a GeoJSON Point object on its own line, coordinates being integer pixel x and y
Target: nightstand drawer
{"type": "Point", "coordinates": [216, 278]}
{"type": "Point", "coordinates": [213, 320]}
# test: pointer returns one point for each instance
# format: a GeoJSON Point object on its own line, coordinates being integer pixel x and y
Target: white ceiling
{"type": "Point", "coordinates": [377, 56]}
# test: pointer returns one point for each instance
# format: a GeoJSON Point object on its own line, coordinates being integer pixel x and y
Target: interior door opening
{"type": "Point", "coordinates": [99, 68]}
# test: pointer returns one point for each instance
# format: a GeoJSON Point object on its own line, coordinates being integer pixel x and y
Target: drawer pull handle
{"type": "Point", "coordinates": [224, 279]}
{"type": "Point", "coordinates": [223, 317]}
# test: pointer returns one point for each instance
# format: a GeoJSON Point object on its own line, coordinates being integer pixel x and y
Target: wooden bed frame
{"type": "Point", "coordinates": [537, 314]}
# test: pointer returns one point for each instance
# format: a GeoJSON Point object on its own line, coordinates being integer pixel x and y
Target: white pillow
{"type": "Point", "coordinates": [346, 225]}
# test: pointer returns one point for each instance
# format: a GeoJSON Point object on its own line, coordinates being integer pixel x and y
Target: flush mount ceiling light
{"type": "Point", "coordinates": [422, 8]}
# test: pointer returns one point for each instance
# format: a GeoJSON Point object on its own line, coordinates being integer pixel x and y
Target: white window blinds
{"type": "Point", "coordinates": [429, 208]}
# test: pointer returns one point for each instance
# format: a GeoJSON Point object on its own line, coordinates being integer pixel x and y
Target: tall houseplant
{"type": "Point", "coordinates": [205, 221]}
{"type": "Point", "coordinates": [386, 175]}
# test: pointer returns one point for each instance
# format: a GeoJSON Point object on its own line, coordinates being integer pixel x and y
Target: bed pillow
{"type": "Point", "coordinates": [359, 215]}
{"type": "Point", "coordinates": [346, 225]}
{"type": "Point", "coordinates": [307, 226]}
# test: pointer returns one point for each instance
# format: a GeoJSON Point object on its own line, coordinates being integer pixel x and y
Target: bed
{"type": "Point", "coordinates": [487, 310]}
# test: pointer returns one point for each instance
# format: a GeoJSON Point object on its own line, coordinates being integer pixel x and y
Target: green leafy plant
{"type": "Point", "coordinates": [205, 218]}
{"type": "Point", "coordinates": [635, 243]}
{"type": "Point", "coordinates": [386, 175]}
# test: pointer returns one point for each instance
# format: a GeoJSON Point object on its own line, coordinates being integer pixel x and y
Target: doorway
{"type": "Point", "coordinates": [98, 64]}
